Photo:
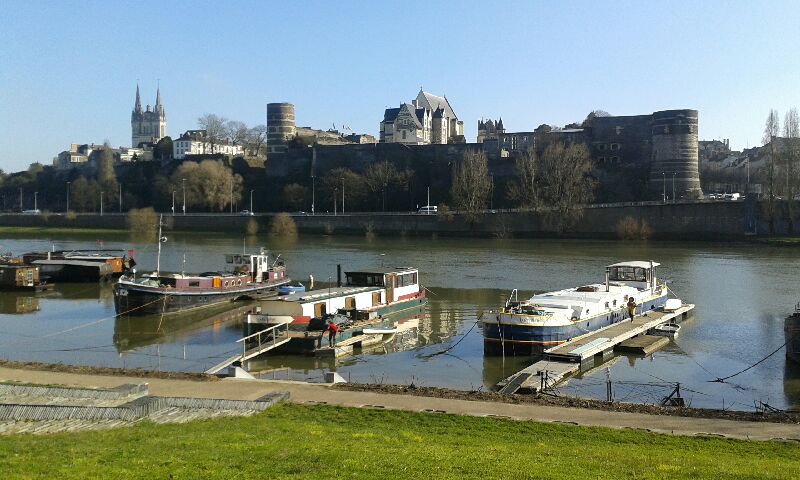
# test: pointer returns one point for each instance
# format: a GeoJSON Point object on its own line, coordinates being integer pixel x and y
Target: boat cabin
{"type": "Point", "coordinates": [400, 283]}
{"type": "Point", "coordinates": [638, 274]}
{"type": "Point", "coordinates": [14, 276]}
{"type": "Point", "coordinates": [259, 266]}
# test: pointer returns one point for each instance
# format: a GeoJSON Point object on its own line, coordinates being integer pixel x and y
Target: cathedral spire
{"type": "Point", "coordinates": [158, 97]}
{"type": "Point", "coordinates": [138, 107]}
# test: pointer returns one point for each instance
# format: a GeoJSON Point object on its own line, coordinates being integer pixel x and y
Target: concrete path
{"type": "Point", "coordinates": [302, 393]}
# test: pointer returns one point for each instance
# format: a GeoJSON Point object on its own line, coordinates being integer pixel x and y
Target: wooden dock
{"type": "Point", "coordinates": [563, 360]}
{"type": "Point", "coordinates": [642, 345]}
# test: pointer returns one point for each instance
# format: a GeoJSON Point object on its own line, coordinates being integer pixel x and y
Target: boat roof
{"type": "Point", "coordinates": [635, 263]}
{"type": "Point", "coordinates": [383, 270]}
{"type": "Point", "coordinates": [325, 294]}
{"type": "Point", "coordinates": [572, 296]}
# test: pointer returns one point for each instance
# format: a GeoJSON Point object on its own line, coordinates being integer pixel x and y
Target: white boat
{"type": "Point", "coordinates": [553, 318]}
{"type": "Point", "coordinates": [667, 330]}
{"type": "Point", "coordinates": [379, 330]}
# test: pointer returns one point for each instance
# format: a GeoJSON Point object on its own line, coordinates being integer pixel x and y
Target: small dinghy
{"type": "Point", "coordinates": [287, 289]}
{"type": "Point", "coordinates": [667, 330]}
{"type": "Point", "coordinates": [379, 330]}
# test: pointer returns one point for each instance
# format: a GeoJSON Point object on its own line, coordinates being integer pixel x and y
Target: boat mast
{"type": "Point", "coordinates": [160, 239]}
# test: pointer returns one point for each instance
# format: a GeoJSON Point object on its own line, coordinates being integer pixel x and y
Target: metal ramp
{"type": "Point", "coordinates": [258, 343]}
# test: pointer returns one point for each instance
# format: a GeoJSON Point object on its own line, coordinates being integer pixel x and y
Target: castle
{"type": "Point", "coordinates": [428, 119]}
{"type": "Point", "coordinates": [664, 143]}
{"type": "Point", "coordinates": [634, 157]}
{"type": "Point", "coordinates": [148, 126]}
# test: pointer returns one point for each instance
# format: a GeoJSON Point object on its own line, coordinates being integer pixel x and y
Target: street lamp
{"type": "Point", "coordinates": [120, 197]}
{"type": "Point", "coordinates": [67, 211]}
{"type": "Point", "coordinates": [101, 203]}
{"type": "Point", "coordinates": [673, 187]}
{"type": "Point", "coordinates": [173, 203]}
{"type": "Point", "coordinates": [664, 184]}
{"type": "Point", "coordinates": [251, 201]}
{"type": "Point", "coordinates": [183, 180]}
{"type": "Point", "coordinates": [20, 199]}
{"type": "Point", "coordinates": [35, 201]}
{"type": "Point", "coordinates": [313, 192]}
{"type": "Point", "coordinates": [231, 185]}
{"type": "Point", "coordinates": [342, 195]}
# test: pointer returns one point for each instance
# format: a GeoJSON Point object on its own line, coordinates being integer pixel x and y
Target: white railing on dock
{"type": "Point", "coordinates": [265, 340]}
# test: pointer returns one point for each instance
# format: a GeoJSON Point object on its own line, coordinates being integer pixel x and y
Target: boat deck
{"type": "Point", "coordinates": [563, 360]}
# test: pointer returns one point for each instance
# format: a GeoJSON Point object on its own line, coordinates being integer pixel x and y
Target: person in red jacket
{"type": "Point", "coordinates": [332, 329]}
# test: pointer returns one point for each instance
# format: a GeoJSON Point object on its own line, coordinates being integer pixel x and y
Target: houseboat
{"type": "Point", "coordinates": [248, 277]}
{"type": "Point", "coordinates": [80, 265]}
{"type": "Point", "coordinates": [17, 276]}
{"type": "Point", "coordinates": [369, 294]}
{"type": "Point", "coordinates": [791, 329]}
{"type": "Point", "coordinates": [549, 319]}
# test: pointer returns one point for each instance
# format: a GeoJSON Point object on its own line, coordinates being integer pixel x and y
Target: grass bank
{"type": "Point", "coordinates": [329, 442]}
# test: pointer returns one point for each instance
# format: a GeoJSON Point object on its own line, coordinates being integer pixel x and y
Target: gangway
{"type": "Point", "coordinates": [255, 344]}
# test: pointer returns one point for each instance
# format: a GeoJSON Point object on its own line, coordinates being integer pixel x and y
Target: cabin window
{"type": "Point", "coordinates": [194, 283]}
{"type": "Point", "coordinates": [628, 274]}
{"type": "Point", "coordinates": [319, 309]}
{"type": "Point", "coordinates": [376, 299]}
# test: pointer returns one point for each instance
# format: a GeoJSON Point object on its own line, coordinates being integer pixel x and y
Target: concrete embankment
{"type": "Point", "coordinates": [696, 220]}
{"type": "Point", "coordinates": [235, 389]}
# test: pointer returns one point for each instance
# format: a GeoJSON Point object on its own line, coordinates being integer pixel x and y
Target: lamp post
{"type": "Point", "coordinates": [173, 203]}
{"type": "Point", "coordinates": [101, 203]}
{"type": "Point", "coordinates": [231, 191]}
{"type": "Point", "coordinates": [342, 195]}
{"type": "Point", "coordinates": [251, 201]}
{"type": "Point", "coordinates": [491, 195]}
{"type": "Point", "coordinates": [20, 199]}
{"type": "Point", "coordinates": [67, 211]}
{"type": "Point", "coordinates": [664, 184]}
{"type": "Point", "coordinates": [183, 180]}
{"type": "Point", "coordinates": [335, 200]}
{"type": "Point", "coordinates": [120, 197]}
{"type": "Point", "coordinates": [673, 187]}
{"type": "Point", "coordinates": [35, 201]}
{"type": "Point", "coordinates": [313, 192]}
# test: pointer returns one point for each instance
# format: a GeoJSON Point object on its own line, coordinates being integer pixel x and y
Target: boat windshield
{"type": "Point", "coordinates": [628, 274]}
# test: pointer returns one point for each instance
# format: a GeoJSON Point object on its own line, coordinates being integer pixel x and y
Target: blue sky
{"type": "Point", "coordinates": [68, 70]}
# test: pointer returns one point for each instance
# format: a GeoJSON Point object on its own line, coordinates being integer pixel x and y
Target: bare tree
{"type": "Point", "coordinates": [523, 190]}
{"type": "Point", "coordinates": [381, 176]}
{"type": "Point", "coordinates": [565, 181]}
{"type": "Point", "coordinates": [214, 126]}
{"type": "Point", "coordinates": [771, 132]}
{"type": "Point", "coordinates": [791, 155]}
{"type": "Point", "coordinates": [471, 185]}
{"type": "Point", "coordinates": [256, 138]}
{"type": "Point", "coordinates": [237, 132]}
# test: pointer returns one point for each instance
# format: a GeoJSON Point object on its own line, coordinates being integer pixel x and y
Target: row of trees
{"type": "Point", "coordinates": [783, 163]}
{"type": "Point", "coordinates": [559, 179]}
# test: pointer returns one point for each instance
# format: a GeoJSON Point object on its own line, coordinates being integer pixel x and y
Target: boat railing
{"type": "Point", "coordinates": [262, 339]}
{"type": "Point", "coordinates": [512, 298]}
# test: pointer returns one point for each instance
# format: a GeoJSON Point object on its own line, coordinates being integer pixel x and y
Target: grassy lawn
{"type": "Point", "coordinates": [291, 441]}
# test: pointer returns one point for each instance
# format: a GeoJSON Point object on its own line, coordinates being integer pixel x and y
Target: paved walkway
{"type": "Point", "coordinates": [236, 389]}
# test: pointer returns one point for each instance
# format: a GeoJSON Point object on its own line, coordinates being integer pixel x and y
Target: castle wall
{"type": "Point", "coordinates": [675, 153]}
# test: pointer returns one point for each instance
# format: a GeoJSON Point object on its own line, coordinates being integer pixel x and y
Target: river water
{"type": "Point", "coordinates": [742, 292]}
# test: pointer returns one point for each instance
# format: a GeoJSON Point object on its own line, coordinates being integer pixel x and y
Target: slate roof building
{"type": "Point", "coordinates": [428, 119]}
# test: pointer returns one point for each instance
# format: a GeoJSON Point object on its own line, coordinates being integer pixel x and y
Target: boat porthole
{"type": "Point", "coordinates": [239, 283]}
{"type": "Point", "coordinates": [225, 284]}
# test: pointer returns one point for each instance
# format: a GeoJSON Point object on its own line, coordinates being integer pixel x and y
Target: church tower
{"type": "Point", "coordinates": [148, 126]}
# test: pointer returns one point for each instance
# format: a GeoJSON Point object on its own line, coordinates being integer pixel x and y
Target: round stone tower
{"type": "Point", "coordinates": [280, 127]}
{"type": "Point", "coordinates": [675, 155]}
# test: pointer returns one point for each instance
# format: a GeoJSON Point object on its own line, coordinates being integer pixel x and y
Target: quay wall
{"type": "Point", "coordinates": [695, 220]}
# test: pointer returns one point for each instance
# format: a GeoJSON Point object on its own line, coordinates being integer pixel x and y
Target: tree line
{"type": "Point", "coordinates": [782, 176]}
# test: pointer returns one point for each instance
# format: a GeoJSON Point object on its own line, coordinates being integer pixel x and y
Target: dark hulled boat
{"type": "Point", "coordinates": [252, 277]}
{"type": "Point", "coordinates": [80, 266]}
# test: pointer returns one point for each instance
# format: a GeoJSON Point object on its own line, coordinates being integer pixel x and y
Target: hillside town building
{"type": "Point", "coordinates": [197, 142]}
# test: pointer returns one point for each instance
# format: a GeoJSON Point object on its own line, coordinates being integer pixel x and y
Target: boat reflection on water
{"type": "Point", "coordinates": [791, 384]}
{"type": "Point", "coordinates": [15, 303]}
{"type": "Point", "coordinates": [131, 333]}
